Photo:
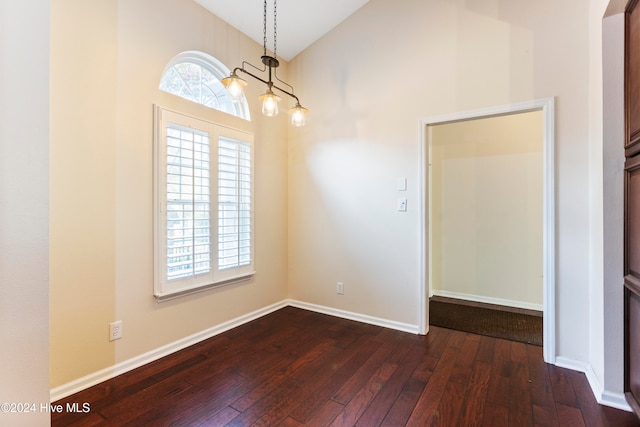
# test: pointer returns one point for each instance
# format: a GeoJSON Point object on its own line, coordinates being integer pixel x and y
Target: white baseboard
{"type": "Point", "coordinates": [603, 397]}
{"type": "Point", "coordinates": [399, 326]}
{"type": "Point", "coordinates": [488, 300]}
{"type": "Point", "coordinates": [135, 362]}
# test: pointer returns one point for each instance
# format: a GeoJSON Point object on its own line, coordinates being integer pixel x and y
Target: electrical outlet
{"type": "Point", "coordinates": [340, 288]}
{"type": "Point", "coordinates": [115, 330]}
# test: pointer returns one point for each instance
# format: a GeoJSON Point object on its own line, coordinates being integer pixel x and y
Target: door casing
{"type": "Point", "coordinates": [547, 106]}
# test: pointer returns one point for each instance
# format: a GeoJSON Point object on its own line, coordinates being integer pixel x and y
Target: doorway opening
{"type": "Point", "coordinates": [484, 205]}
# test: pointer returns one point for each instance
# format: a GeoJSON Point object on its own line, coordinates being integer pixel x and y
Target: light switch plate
{"type": "Point", "coordinates": [402, 204]}
{"type": "Point", "coordinates": [402, 184]}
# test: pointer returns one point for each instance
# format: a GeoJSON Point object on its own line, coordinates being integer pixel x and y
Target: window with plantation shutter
{"type": "Point", "coordinates": [188, 222]}
{"type": "Point", "coordinates": [203, 204]}
{"type": "Point", "coordinates": [234, 203]}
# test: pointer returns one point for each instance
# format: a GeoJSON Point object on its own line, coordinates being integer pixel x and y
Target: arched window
{"type": "Point", "coordinates": [197, 77]}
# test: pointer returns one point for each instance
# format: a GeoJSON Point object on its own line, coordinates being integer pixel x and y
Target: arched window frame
{"type": "Point", "coordinates": [238, 108]}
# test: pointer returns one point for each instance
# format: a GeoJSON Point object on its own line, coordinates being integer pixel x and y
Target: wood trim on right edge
{"type": "Point", "coordinates": [632, 164]}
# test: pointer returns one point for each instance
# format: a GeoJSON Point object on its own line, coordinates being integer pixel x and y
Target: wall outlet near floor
{"type": "Point", "coordinates": [340, 288]}
{"type": "Point", "coordinates": [115, 330]}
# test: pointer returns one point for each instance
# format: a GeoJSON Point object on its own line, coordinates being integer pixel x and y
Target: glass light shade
{"type": "Point", "coordinates": [234, 85]}
{"type": "Point", "coordinates": [269, 103]}
{"type": "Point", "coordinates": [298, 115]}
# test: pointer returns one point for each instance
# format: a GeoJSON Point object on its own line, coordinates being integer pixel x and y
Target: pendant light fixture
{"type": "Point", "coordinates": [269, 99]}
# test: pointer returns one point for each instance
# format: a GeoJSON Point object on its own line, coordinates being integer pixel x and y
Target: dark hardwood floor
{"type": "Point", "coordinates": [295, 367]}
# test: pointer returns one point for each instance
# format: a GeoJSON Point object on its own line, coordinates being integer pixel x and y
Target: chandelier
{"type": "Point", "coordinates": [269, 99]}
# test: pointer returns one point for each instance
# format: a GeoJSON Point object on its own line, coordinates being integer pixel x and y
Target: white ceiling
{"type": "Point", "coordinates": [300, 22]}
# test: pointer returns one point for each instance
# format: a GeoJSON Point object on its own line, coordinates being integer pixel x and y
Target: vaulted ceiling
{"type": "Point", "coordinates": [299, 22]}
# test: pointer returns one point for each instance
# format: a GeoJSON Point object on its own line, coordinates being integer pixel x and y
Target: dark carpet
{"type": "Point", "coordinates": [484, 321]}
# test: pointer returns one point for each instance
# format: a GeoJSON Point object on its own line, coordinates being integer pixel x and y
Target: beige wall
{"type": "Point", "coordinates": [107, 59]}
{"type": "Point", "coordinates": [83, 171]}
{"type": "Point", "coordinates": [368, 83]}
{"type": "Point", "coordinates": [486, 209]}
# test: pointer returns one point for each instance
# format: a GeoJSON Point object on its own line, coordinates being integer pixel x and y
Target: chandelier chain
{"type": "Point", "coordinates": [275, 27]}
{"type": "Point", "coordinates": [264, 27]}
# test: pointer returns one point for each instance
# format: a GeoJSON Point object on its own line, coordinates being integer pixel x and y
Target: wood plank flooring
{"type": "Point", "coordinates": [295, 367]}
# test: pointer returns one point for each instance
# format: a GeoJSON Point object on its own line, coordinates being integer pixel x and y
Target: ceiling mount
{"type": "Point", "coordinates": [270, 61]}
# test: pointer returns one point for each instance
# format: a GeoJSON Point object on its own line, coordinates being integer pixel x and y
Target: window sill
{"type": "Point", "coordinates": [202, 288]}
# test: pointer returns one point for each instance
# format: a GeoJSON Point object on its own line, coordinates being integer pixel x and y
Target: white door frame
{"type": "Point", "coordinates": [547, 106]}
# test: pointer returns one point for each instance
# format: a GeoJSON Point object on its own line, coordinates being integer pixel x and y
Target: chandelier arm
{"type": "Point", "coordinates": [252, 75]}
{"type": "Point", "coordinates": [244, 63]}
{"type": "Point", "coordinates": [270, 84]}
{"type": "Point", "coordinates": [275, 73]}
{"type": "Point", "coordinates": [287, 93]}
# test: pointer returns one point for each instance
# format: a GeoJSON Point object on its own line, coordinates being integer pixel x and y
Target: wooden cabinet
{"type": "Point", "coordinates": [632, 282]}
{"type": "Point", "coordinates": [632, 80]}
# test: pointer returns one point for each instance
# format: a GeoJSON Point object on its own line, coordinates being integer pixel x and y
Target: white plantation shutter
{"type": "Point", "coordinates": [188, 218]}
{"type": "Point", "coordinates": [234, 203]}
{"type": "Point", "coordinates": [201, 166]}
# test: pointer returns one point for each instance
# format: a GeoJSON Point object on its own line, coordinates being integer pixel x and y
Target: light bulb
{"type": "Point", "coordinates": [235, 89]}
{"type": "Point", "coordinates": [298, 115]}
{"type": "Point", "coordinates": [234, 85]}
{"type": "Point", "coordinates": [269, 103]}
